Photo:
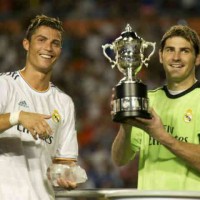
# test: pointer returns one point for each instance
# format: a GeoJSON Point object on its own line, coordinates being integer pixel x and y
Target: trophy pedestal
{"type": "Point", "coordinates": [130, 101]}
{"type": "Point", "coordinates": [123, 116]}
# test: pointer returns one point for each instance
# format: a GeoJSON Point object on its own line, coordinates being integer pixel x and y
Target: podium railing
{"type": "Point", "coordinates": [109, 194]}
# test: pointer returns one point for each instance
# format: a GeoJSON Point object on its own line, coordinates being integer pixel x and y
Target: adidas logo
{"type": "Point", "coordinates": [23, 103]}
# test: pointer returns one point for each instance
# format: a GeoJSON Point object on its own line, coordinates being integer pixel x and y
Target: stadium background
{"type": "Point", "coordinates": [85, 74]}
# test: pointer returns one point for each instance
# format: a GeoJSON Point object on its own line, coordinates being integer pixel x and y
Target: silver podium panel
{"type": "Point", "coordinates": [151, 195]}
{"type": "Point", "coordinates": [128, 194]}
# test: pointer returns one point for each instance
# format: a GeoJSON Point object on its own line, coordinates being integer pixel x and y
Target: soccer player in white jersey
{"type": "Point", "coordinates": [37, 124]}
{"type": "Point", "coordinates": [169, 142]}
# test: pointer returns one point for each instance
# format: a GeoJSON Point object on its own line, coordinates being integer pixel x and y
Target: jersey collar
{"type": "Point", "coordinates": [171, 96]}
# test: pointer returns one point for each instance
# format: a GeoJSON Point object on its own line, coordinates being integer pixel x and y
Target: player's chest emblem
{"type": "Point", "coordinates": [188, 116]}
{"type": "Point", "coordinates": [56, 116]}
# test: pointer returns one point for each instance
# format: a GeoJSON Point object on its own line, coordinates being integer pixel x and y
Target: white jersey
{"type": "Point", "coordinates": [24, 160]}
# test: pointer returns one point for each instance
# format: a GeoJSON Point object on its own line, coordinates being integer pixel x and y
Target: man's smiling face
{"type": "Point", "coordinates": [43, 49]}
{"type": "Point", "coordinates": [178, 59]}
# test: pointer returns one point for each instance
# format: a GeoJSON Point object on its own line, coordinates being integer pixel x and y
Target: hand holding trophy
{"type": "Point", "coordinates": [131, 94]}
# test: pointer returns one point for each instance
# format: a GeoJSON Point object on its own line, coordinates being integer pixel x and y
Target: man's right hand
{"type": "Point", "coordinates": [36, 123]}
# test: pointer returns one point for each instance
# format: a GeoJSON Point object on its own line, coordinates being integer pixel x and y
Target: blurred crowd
{"type": "Point", "coordinates": [85, 74]}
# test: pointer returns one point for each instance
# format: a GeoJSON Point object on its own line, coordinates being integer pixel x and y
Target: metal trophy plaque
{"type": "Point", "coordinates": [131, 94]}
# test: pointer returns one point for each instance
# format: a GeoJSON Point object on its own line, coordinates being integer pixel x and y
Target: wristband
{"type": "Point", "coordinates": [14, 118]}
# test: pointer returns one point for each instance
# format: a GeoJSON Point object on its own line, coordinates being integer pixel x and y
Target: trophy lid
{"type": "Point", "coordinates": [128, 33]}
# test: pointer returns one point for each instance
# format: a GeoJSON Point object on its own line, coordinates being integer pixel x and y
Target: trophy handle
{"type": "Point", "coordinates": [114, 63]}
{"type": "Point", "coordinates": [145, 44]}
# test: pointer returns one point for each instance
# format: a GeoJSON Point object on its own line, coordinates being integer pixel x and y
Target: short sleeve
{"type": "Point", "coordinates": [4, 90]}
{"type": "Point", "coordinates": [136, 138]}
{"type": "Point", "coordinates": [68, 145]}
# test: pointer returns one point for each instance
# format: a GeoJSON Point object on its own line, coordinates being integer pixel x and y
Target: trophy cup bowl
{"type": "Point", "coordinates": [131, 99]}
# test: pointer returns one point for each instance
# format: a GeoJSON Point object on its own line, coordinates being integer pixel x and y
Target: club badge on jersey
{"type": "Point", "coordinates": [56, 116]}
{"type": "Point", "coordinates": [188, 116]}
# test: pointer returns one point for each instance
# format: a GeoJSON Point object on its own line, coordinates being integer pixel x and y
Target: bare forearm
{"type": "Point", "coordinates": [4, 122]}
{"type": "Point", "coordinates": [188, 152]}
{"type": "Point", "coordinates": [121, 148]}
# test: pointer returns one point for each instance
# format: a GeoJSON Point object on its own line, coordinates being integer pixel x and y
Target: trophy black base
{"type": "Point", "coordinates": [121, 117]}
{"type": "Point", "coordinates": [130, 101]}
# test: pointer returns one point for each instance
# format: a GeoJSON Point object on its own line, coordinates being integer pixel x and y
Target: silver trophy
{"type": "Point", "coordinates": [131, 94]}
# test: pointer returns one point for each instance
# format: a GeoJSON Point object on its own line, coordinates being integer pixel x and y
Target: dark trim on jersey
{"type": "Point", "coordinates": [199, 137]}
{"type": "Point", "coordinates": [58, 89]}
{"type": "Point", "coordinates": [14, 74]}
{"type": "Point", "coordinates": [196, 85]}
{"type": "Point", "coordinates": [52, 85]}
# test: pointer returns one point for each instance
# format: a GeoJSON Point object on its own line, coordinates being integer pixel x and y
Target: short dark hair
{"type": "Point", "coordinates": [43, 20]}
{"type": "Point", "coordinates": [185, 32]}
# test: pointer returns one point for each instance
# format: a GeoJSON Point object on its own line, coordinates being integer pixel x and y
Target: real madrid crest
{"type": "Point", "coordinates": [56, 116]}
{"type": "Point", "coordinates": [188, 116]}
